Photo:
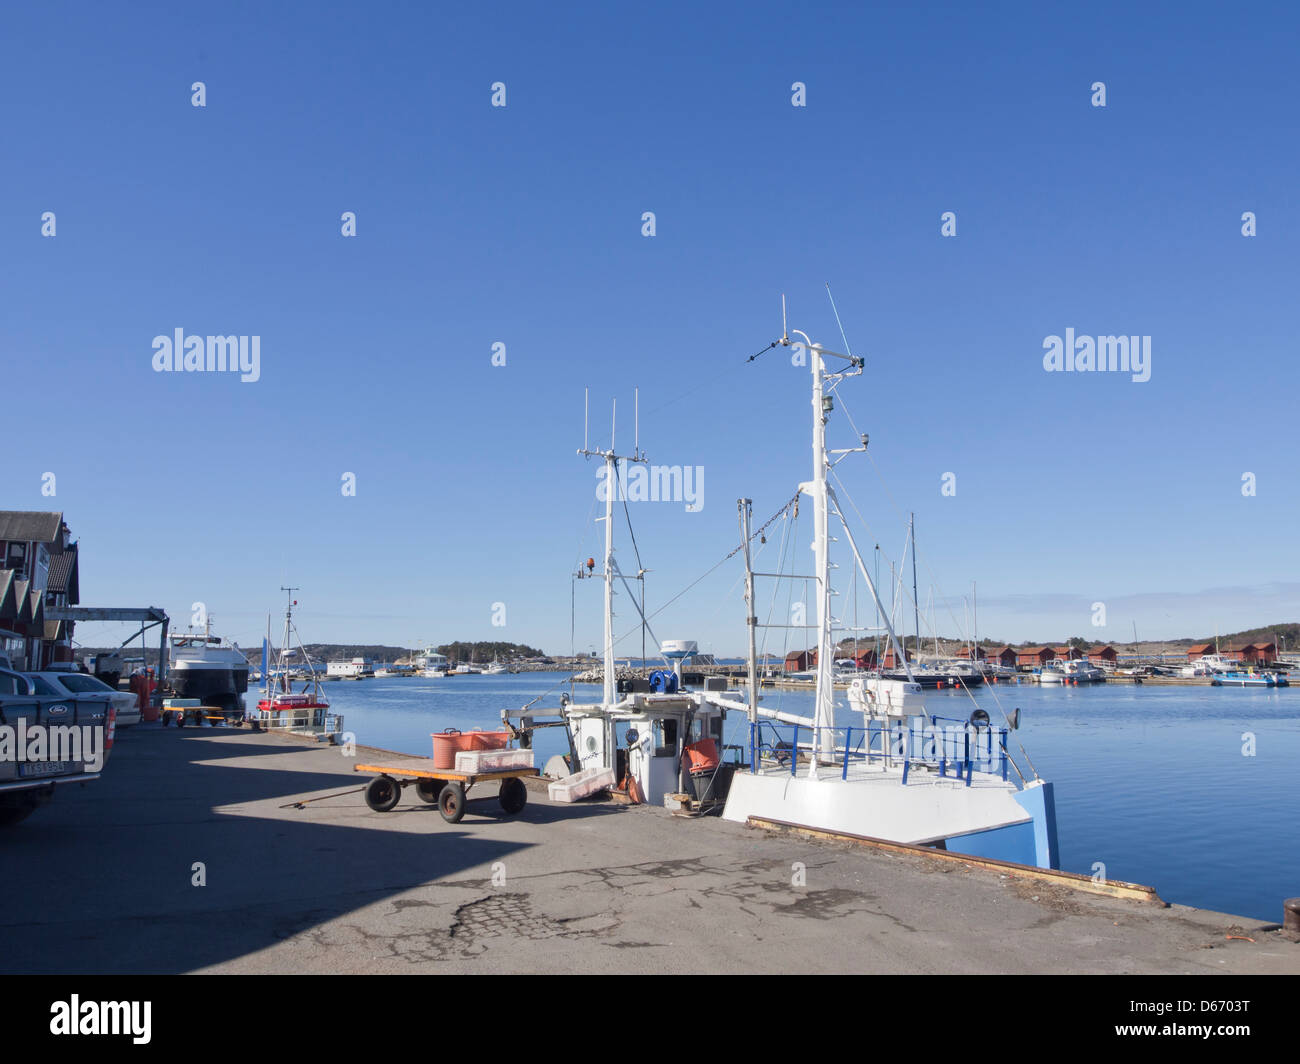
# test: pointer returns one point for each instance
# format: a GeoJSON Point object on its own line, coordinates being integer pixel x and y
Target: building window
{"type": "Point", "coordinates": [16, 559]}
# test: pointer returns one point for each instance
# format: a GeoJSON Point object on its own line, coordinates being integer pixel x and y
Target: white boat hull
{"type": "Point", "coordinates": [990, 818]}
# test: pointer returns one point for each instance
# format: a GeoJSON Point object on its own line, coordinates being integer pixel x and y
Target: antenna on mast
{"type": "Point", "coordinates": [586, 393]}
{"type": "Point", "coordinates": [636, 420]}
{"type": "Point", "coordinates": [613, 422]}
{"type": "Point", "coordinates": [836, 310]}
{"type": "Point", "coordinates": [785, 331]}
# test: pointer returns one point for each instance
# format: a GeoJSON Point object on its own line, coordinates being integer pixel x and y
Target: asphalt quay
{"type": "Point", "coordinates": [184, 858]}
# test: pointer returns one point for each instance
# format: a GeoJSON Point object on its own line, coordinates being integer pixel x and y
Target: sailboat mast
{"type": "Point", "coordinates": [916, 605]}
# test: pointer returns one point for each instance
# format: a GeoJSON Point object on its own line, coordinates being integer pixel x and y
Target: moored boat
{"type": "Point", "coordinates": [209, 668]}
{"type": "Point", "coordinates": [899, 773]}
{"type": "Point", "coordinates": [1248, 678]}
{"type": "Point", "coordinates": [280, 707]}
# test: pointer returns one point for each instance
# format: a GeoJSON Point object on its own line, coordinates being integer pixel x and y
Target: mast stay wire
{"type": "Point", "coordinates": [708, 572]}
{"type": "Point", "coordinates": [969, 693]}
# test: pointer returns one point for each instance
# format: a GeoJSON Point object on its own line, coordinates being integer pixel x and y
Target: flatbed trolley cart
{"type": "Point", "coordinates": [443, 787]}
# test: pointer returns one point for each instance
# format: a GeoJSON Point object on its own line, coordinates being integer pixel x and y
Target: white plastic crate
{"type": "Point", "coordinates": [581, 784]}
{"type": "Point", "coordinates": [492, 760]}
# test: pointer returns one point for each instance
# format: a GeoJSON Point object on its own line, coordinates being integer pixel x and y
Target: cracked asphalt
{"type": "Point", "coordinates": [182, 859]}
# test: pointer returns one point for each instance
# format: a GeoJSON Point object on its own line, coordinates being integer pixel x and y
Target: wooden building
{"type": "Point", "coordinates": [38, 568]}
{"type": "Point", "coordinates": [800, 660]}
{"type": "Point", "coordinates": [1262, 653]}
{"type": "Point", "coordinates": [889, 661]}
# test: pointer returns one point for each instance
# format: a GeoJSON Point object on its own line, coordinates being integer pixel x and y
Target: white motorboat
{"type": "Point", "coordinates": [1207, 665]}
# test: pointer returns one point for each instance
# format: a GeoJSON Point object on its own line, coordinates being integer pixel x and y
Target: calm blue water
{"type": "Point", "coordinates": [1149, 780]}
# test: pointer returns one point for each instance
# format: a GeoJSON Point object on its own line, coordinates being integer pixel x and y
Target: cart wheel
{"type": "Point", "coordinates": [428, 790]}
{"type": "Point", "coordinates": [514, 795]}
{"type": "Point", "coordinates": [382, 793]}
{"type": "Point", "coordinates": [451, 803]}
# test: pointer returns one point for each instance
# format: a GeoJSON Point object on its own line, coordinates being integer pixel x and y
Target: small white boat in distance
{"type": "Point", "coordinates": [1053, 672]}
{"type": "Point", "coordinates": [495, 669]}
{"type": "Point", "coordinates": [1206, 665]}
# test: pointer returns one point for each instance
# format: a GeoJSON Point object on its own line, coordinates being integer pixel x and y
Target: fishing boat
{"type": "Point", "coordinates": [209, 668]}
{"type": "Point", "coordinates": [497, 668]}
{"type": "Point", "coordinates": [899, 772]}
{"type": "Point", "coordinates": [642, 734]}
{"type": "Point", "coordinates": [282, 708]}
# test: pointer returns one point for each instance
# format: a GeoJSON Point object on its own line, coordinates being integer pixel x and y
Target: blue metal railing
{"type": "Point", "coordinates": [961, 747]}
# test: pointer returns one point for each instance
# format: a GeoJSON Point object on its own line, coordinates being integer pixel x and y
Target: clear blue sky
{"type": "Point", "coordinates": [522, 225]}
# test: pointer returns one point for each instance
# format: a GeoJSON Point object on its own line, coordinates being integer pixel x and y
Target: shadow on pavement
{"type": "Point", "coordinates": [102, 879]}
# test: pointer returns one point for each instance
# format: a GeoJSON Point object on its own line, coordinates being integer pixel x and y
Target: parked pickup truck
{"type": "Point", "coordinates": [46, 741]}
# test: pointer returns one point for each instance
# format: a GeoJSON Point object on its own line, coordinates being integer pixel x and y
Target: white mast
{"type": "Point", "coordinates": [819, 490]}
{"type": "Point", "coordinates": [824, 700]}
{"type": "Point", "coordinates": [612, 488]}
{"type": "Point", "coordinates": [284, 643]}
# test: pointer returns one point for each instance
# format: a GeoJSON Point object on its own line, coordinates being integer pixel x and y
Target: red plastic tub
{"type": "Point", "coordinates": [701, 756]}
{"type": "Point", "coordinates": [487, 740]}
{"type": "Point", "coordinates": [447, 744]}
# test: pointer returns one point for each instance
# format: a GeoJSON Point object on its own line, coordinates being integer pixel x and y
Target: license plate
{"type": "Point", "coordinates": [43, 768]}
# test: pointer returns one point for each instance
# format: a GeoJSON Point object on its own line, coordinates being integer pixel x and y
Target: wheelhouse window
{"type": "Point", "coordinates": [666, 737]}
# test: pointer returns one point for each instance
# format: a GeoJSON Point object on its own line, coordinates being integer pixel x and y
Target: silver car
{"type": "Point", "coordinates": [79, 684]}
